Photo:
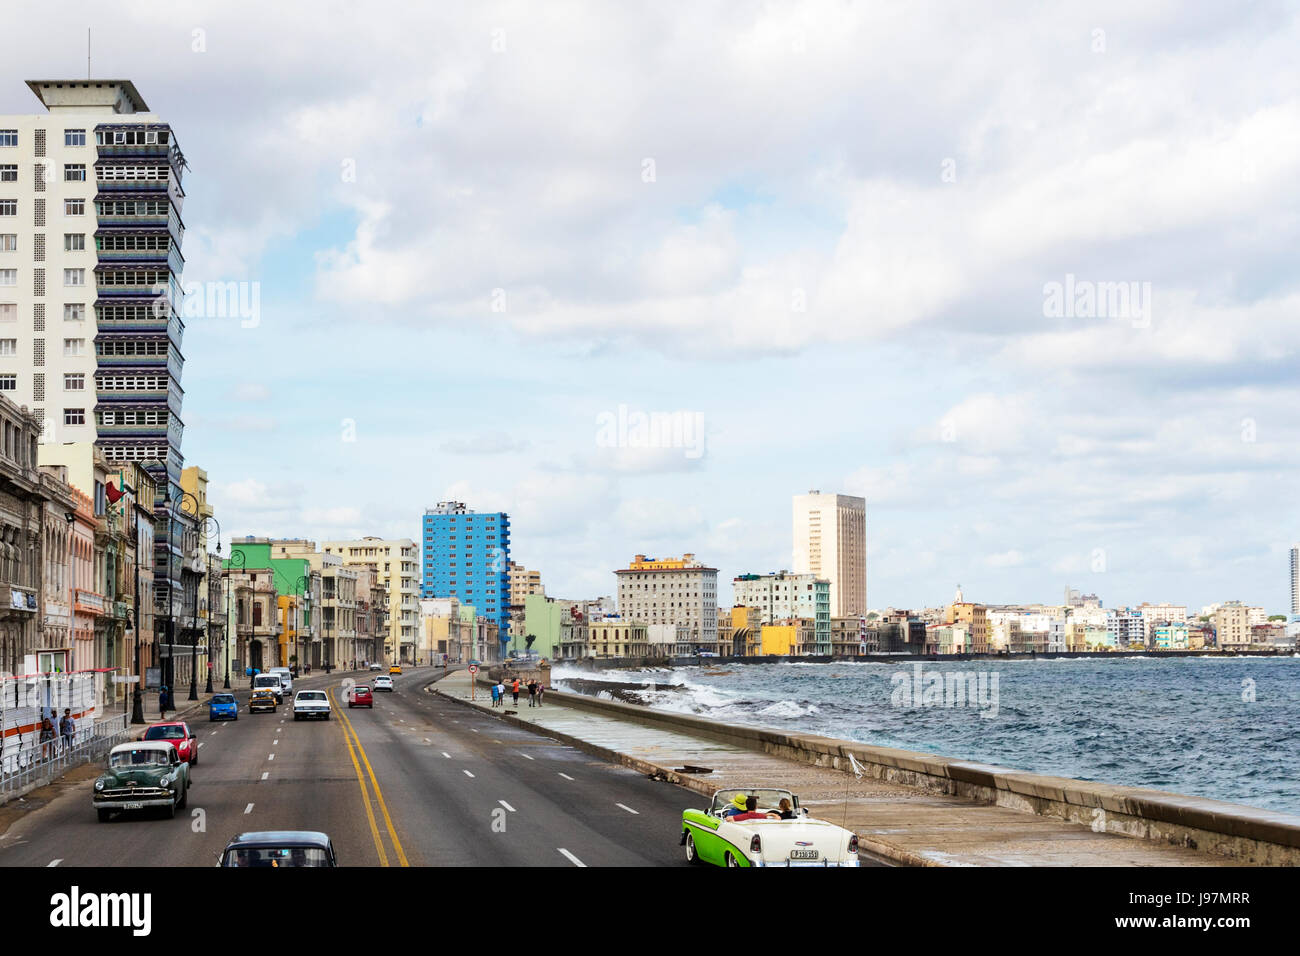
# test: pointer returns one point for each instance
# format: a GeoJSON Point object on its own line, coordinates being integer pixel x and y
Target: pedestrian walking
{"type": "Point", "coordinates": [501, 692]}
{"type": "Point", "coordinates": [47, 737]}
{"type": "Point", "coordinates": [495, 695]}
{"type": "Point", "coordinates": [540, 688]}
{"type": "Point", "coordinates": [532, 693]}
{"type": "Point", "coordinates": [515, 689]}
{"type": "Point", "coordinates": [67, 728]}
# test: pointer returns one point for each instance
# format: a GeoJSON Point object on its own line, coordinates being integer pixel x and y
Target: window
{"type": "Point", "coordinates": [74, 276]}
{"type": "Point", "coordinates": [74, 346]}
{"type": "Point", "coordinates": [74, 207]}
{"type": "Point", "coordinates": [74, 137]}
{"type": "Point", "coordinates": [8, 383]}
{"type": "Point", "coordinates": [8, 276]}
{"type": "Point", "coordinates": [8, 173]}
{"type": "Point", "coordinates": [8, 346]}
{"type": "Point", "coordinates": [74, 382]}
{"type": "Point", "coordinates": [8, 312]}
{"type": "Point", "coordinates": [8, 207]}
{"type": "Point", "coordinates": [74, 416]}
{"type": "Point", "coordinates": [74, 311]}
{"type": "Point", "coordinates": [8, 137]}
{"type": "Point", "coordinates": [74, 172]}
{"type": "Point", "coordinates": [8, 242]}
{"type": "Point", "coordinates": [72, 241]}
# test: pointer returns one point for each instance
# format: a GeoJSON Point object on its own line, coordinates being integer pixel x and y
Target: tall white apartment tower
{"type": "Point", "coordinates": [830, 541]}
{"type": "Point", "coordinates": [1295, 581]}
{"type": "Point", "coordinates": [90, 280]}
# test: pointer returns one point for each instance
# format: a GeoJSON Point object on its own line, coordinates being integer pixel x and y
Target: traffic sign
{"type": "Point", "coordinates": [473, 668]}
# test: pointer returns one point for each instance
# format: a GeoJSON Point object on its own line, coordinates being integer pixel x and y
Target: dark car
{"type": "Point", "coordinates": [276, 848]}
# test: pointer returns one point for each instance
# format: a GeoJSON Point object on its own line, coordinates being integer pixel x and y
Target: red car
{"type": "Point", "coordinates": [177, 733]}
{"type": "Point", "coordinates": [359, 696]}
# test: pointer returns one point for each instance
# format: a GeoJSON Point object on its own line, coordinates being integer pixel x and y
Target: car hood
{"type": "Point", "coordinates": [143, 777]}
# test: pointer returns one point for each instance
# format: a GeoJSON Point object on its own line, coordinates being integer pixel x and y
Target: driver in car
{"type": "Point", "coordinates": [738, 805]}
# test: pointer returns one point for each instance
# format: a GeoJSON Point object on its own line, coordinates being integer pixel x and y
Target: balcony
{"type": "Point", "coordinates": [89, 601]}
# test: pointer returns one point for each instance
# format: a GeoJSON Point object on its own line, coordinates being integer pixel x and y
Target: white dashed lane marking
{"type": "Point", "coordinates": [570, 857]}
{"type": "Point", "coordinates": [526, 757]}
{"type": "Point", "coordinates": [54, 862]}
{"type": "Point", "coordinates": [270, 756]}
{"type": "Point", "coordinates": [447, 755]}
{"type": "Point", "coordinates": [627, 808]}
{"type": "Point", "coordinates": [265, 775]}
{"type": "Point", "coordinates": [248, 809]}
{"type": "Point", "coordinates": [507, 806]}
{"type": "Point", "coordinates": [467, 773]}
{"type": "Point", "coordinates": [566, 776]}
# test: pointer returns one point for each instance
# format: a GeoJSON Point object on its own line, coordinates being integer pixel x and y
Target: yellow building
{"type": "Point", "coordinates": [746, 631]}
{"type": "Point", "coordinates": [975, 617]}
{"type": "Point", "coordinates": [790, 637]}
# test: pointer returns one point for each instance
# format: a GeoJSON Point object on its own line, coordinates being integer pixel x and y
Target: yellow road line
{"type": "Point", "coordinates": [379, 794]}
{"type": "Point", "coordinates": [365, 797]}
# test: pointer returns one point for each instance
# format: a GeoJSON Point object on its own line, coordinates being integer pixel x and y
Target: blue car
{"type": "Point", "coordinates": [223, 707]}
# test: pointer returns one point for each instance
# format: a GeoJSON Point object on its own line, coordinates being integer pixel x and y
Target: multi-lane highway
{"type": "Point", "coordinates": [416, 781]}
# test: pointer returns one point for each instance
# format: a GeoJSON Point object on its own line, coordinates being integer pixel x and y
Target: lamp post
{"type": "Point", "coordinates": [303, 583]}
{"type": "Point", "coordinates": [233, 564]}
{"type": "Point", "coordinates": [169, 672]}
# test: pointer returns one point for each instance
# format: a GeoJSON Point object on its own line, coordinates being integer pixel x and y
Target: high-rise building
{"type": "Point", "coordinates": [1232, 626]}
{"type": "Point", "coordinates": [830, 541]}
{"type": "Point", "coordinates": [671, 591]}
{"type": "Point", "coordinates": [1295, 581]}
{"type": "Point", "coordinates": [90, 282]}
{"type": "Point", "coordinates": [396, 566]}
{"type": "Point", "coordinates": [782, 596]}
{"type": "Point", "coordinates": [467, 556]}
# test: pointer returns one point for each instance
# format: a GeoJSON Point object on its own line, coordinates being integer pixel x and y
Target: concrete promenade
{"type": "Point", "coordinates": [904, 824]}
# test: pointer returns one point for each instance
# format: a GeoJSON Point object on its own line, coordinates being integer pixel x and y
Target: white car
{"type": "Point", "coordinates": [285, 675]}
{"type": "Point", "coordinates": [384, 683]}
{"type": "Point", "coordinates": [712, 836]}
{"type": "Point", "coordinates": [311, 704]}
{"type": "Point", "coordinates": [270, 682]}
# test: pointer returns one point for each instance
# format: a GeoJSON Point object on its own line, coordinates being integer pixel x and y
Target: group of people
{"type": "Point", "coordinates": [67, 732]}
{"type": "Point", "coordinates": [534, 687]}
{"type": "Point", "coordinates": [746, 808]}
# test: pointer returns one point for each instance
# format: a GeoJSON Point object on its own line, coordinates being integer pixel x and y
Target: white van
{"type": "Point", "coordinates": [272, 682]}
{"type": "Point", "coordinates": [286, 677]}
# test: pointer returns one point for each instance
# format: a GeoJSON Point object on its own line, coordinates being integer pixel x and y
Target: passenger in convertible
{"type": "Point", "coordinates": [784, 810]}
{"type": "Point", "coordinates": [738, 806]}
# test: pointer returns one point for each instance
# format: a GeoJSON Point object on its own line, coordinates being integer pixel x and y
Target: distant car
{"type": "Point", "coordinates": [384, 683]}
{"type": "Point", "coordinates": [277, 848]}
{"type": "Point", "coordinates": [223, 707]}
{"type": "Point", "coordinates": [286, 678]}
{"type": "Point", "coordinates": [360, 696]}
{"type": "Point", "coordinates": [264, 699]}
{"type": "Point", "coordinates": [376, 667]}
{"type": "Point", "coordinates": [141, 775]}
{"type": "Point", "coordinates": [270, 682]}
{"type": "Point", "coordinates": [395, 669]}
{"type": "Point", "coordinates": [311, 705]}
{"type": "Point", "coordinates": [710, 836]}
{"type": "Point", "coordinates": [177, 734]}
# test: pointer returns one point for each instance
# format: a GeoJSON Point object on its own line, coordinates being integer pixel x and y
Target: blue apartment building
{"type": "Point", "coordinates": [467, 556]}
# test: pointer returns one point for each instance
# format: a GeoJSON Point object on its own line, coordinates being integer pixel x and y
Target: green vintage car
{"type": "Point", "coordinates": [142, 775]}
{"type": "Point", "coordinates": [778, 832]}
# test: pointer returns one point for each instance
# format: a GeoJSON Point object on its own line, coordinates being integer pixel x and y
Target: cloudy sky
{"type": "Point", "coordinates": [836, 235]}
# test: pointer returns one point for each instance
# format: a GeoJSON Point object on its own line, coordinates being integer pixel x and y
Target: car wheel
{"type": "Point", "coordinates": [171, 810]}
{"type": "Point", "coordinates": [104, 815]}
{"type": "Point", "coordinates": [692, 855]}
{"type": "Point", "coordinates": [327, 716]}
{"type": "Point", "coordinates": [194, 761]}
{"type": "Point", "coordinates": [731, 860]}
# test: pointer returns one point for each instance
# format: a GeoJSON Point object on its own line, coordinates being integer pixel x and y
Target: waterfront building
{"type": "Point", "coordinates": [615, 638]}
{"type": "Point", "coordinates": [467, 556]}
{"type": "Point", "coordinates": [952, 638]}
{"type": "Point", "coordinates": [439, 635]}
{"type": "Point", "coordinates": [1232, 626]}
{"type": "Point", "coordinates": [782, 595]}
{"type": "Point", "coordinates": [523, 582]}
{"type": "Point", "coordinates": [668, 640]}
{"type": "Point", "coordinates": [790, 637]}
{"type": "Point", "coordinates": [746, 631]}
{"type": "Point", "coordinates": [852, 636]}
{"type": "Point", "coordinates": [1171, 636]}
{"type": "Point", "coordinates": [1153, 614]}
{"type": "Point", "coordinates": [973, 615]}
{"type": "Point", "coordinates": [395, 561]}
{"type": "Point", "coordinates": [672, 591]}
{"type": "Point", "coordinates": [1130, 629]}
{"type": "Point", "coordinates": [830, 542]}
{"type": "Point", "coordinates": [1271, 635]}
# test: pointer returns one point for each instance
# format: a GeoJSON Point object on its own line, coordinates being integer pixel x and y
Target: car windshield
{"type": "Point", "coordinates": [266, 681]}
{"type": "Point", "coordinates": [767, 799]}
{"type": "Point", "coordinates": [362, 689]}
{"type": "Point", "coordinates": [223, 699]}
{"type": "Point", "coordinates": [276, 856]}
{"type": "Point", "coordinates": [312, 695]}
{"type": "Point", "coordinates": [138, 758]}
{"type": "Point", "coordinates": [165, 733]}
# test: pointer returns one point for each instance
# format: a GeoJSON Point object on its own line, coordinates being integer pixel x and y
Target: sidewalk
{"type": "Point", "coordinates": [903, 824]}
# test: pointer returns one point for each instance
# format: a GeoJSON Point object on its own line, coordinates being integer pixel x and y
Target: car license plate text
{"type": "Point", "coordinates": [804, 854]}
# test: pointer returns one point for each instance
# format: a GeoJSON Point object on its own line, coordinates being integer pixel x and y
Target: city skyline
{"type": "Point", "coordinates": [868, 307]}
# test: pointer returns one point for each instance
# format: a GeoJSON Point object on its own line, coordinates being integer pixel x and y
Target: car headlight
{"type": "Point", "coordinates": [166, 779]}
{"type": "Point", "coordinates": [99, 784]}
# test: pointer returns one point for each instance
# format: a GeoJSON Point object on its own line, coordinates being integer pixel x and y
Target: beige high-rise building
{"type": "Point", "coordinates": [830, 541]}
{"type": "Point", "coordinates": [1232, 626]}
{"type": "Point", "coordinates": [671, 591]}
{"type": "Point", "coordinates": [397, 563]}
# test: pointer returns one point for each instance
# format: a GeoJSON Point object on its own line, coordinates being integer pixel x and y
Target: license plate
{"type": "Point", "coordinates": [133, 806]}
{"type": "Point", "coordinates": [805, 854]}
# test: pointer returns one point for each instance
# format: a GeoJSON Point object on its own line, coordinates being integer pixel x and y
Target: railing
{"type": "Point", "coordinates": [39, 762]}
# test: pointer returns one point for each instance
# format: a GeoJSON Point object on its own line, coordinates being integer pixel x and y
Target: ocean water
{"type": "Point", "coordinates": [1227, 728]}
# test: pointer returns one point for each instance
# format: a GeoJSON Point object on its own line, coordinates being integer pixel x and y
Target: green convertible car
{"type": "Point", "coordinates": [778, 832]}
{"type": "Point", "coordinates": [143, 775]}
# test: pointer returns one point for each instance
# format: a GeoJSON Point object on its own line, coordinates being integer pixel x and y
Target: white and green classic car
{"type": "Point", "coordinates": [142, 775]}
{"type": "Point", "coordinates": [765, 838]}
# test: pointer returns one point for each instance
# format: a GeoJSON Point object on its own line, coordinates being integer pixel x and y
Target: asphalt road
{"type": "Point", "coordinates": [416, 781]}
